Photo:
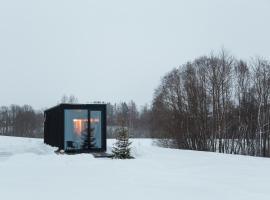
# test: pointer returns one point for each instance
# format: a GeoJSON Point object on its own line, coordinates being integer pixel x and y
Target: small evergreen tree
{"type": "Point", "coordinates": [88, 139]}
{"type": "Point", "coordinates": [121, 148]}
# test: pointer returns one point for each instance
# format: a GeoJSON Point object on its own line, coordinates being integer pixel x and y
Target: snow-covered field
{"type": "Point", "coordinates": [31, 170]}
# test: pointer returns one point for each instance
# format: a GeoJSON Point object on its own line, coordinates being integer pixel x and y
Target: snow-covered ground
{"type": "Point", "coordinates": [31, 170]}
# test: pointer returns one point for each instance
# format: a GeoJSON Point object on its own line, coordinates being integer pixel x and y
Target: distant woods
{"type": "Point", "coordinates": [24, 121]}
{"type": "Point", "coordinates": [137, 120]}
{"type": "Point", "coordinates": [215, 103]}
{"type": "Point", "coordinates": [21, 121]}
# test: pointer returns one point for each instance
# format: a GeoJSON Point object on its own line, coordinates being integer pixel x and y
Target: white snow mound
{"type": "Point", "coordinates": [31, 170]}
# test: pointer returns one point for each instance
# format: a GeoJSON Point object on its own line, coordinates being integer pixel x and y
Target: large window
{"type": "Point", "coordinates": [76, 128]}
{"type": "Point", "coordinates": [82, 129]}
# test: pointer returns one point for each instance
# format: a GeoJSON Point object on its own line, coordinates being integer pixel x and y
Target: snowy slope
{"type": "Point", "coordinates": [31, 170]}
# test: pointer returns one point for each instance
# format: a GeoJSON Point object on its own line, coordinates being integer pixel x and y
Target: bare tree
{"type": "Point", "coordinates": [21, 121]}
{"type": "Point", "coordinates": [261, 77]}
{"type": "Point", "coordinates": [69, 99]}
{"type": "Point", "coordinates": [215, 103]}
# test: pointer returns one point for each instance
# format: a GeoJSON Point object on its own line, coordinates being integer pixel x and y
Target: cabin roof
{"type": "Point", "coordinates": [75, 106]}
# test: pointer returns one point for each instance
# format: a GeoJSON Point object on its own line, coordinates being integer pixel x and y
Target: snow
{"type": "Point", "coordinates": [30, 169]}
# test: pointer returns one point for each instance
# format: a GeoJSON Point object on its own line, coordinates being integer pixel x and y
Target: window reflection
{"type": "Point", "coordinates": [77, 133]}
{"type": "Point", "coordinates": [80, 125]}
{"type": "Point", "coordinates": [96, 127]}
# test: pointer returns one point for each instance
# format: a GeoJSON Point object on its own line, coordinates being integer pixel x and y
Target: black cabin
{"type": "Point", "coordinates": [76, 127]}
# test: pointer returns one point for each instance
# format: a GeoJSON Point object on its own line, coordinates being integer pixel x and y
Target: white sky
{"type": "Point", "coordinates": [116, 50]}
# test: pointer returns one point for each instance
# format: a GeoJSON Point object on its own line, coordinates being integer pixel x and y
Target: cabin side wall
{"type": "Point", "coordinates": [104, 128]}
{"type": "Point", "coordinates": [54, 128]}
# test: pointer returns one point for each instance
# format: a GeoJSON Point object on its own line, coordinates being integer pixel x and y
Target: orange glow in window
{"type": "Point", "coordinates": [80, 125]}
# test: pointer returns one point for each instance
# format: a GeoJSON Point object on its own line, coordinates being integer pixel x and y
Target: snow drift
{"type": "Point", "coordinates": [31, 170]}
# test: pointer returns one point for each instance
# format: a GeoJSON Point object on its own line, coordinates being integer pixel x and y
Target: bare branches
{"type": "Point", "coordinates": [21, 121]}
{"type": "Point", "coordinates": [215, 103]}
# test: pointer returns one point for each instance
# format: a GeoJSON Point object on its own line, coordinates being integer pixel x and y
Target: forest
{"type": "Point", "coordinates": [215, 103]}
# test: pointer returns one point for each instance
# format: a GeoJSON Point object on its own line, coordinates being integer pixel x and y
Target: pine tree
{"type": "Point", "coordinates": [88, 139]}
{"type": "Point", "coordinates": [121, 148]}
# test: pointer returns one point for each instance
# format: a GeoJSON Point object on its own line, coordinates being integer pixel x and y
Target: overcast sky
{"type": "Point", "coordinates": [116, 50]}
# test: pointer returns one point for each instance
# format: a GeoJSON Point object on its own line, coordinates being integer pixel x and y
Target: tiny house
{"type": "Point", "coordinates": [76, 127]}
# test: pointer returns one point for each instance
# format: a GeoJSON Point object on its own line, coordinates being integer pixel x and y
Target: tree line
{"type": "Point", "coordinates": [21, 121]}
{"type": "Point", "coordinates": [128, 114]}
{"type": "Point", "coordinates": [215, 103]}
{"type": "Point", "coordinates": [24, 121]}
